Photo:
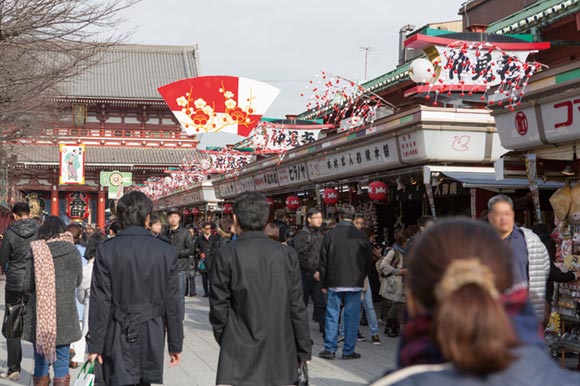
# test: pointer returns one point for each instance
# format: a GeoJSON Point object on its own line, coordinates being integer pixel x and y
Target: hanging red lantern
{"type": "Point", "coordinates": [378, 191]}
{"type": "Point", "coordinates": [186, 212]}
{"type": "Point", "coordinates": [293, 202]}
{"type": "Point", "coordinates": [195, 211]}
{"type": "Point", "coordinates": [270, 201]}
{"type": "Point", "coordinates": [228, 209]}
{"type": "Point", "coordinates": [330, 196]}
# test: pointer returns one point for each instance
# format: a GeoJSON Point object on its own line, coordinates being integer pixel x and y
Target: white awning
{"type": "Point", "coordinates": [485, 178]}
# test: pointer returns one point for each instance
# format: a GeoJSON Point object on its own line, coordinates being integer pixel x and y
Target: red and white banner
{"type": "Point", "coordinates": [212, 104]}
{"type": "Point", "coordinates": [72, 164]}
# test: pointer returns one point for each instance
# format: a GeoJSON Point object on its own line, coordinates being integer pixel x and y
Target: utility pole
{"type": "Point", "coordinates": [367, 51]}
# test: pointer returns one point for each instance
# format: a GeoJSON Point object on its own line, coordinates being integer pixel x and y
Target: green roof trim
{"type": "Point", "coordinates": [535, 14]}
{"type": "Point", "coordinates": [388, 79]}
{"type": "Point", "coordinates": [436, 32]}
{"type": "Point", "coordinates": [568, 75]}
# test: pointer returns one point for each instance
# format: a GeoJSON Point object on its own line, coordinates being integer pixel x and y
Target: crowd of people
{"type": "Point", "coordinates": [467, 298]}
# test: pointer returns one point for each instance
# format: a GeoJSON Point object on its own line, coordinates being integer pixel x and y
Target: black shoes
{"type": "Point", "coordinates": [325, 354]}
{"type": "Point", "coordinates": [354, 355]}
{"type": "Point", "coordinates": [392, 328]}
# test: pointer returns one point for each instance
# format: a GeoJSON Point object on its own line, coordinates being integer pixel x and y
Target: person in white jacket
{"type": "Point", "coordinates": [531, 262]}
{"type": "Point", "coordinates": [83, 292]}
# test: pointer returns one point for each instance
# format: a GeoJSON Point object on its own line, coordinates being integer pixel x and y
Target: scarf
{"type": "Point", "coordinates": [417, 346]}
{"type": "Point", "coordinates": [45, 279]}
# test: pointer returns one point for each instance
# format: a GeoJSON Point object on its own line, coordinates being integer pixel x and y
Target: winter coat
{"type": "Point", "coordinates": [257, 312]}
{"type": "Point", "coordinates": [345, 257]}
{"type": "Point", "coordinates": [134, 303]}
{"type": "Point", "coordinates": [391, 284]}
{"type": "Point", "coordinates": [308, 243]}
{"type": "Point", "coordinates": [68, 276]}
{"type": "Point", "coordinates": [538, 271]}
{"type": "Point", "coordinates": [533, 367]}
{"type": "Point", "coordinates": [283, 229]}
{"type": "Point", "coordinates": [207, 246]}
{"type": "Point", "coordinates": [14, 250]}
{"type": "Point", "coordinates": [181, 239]}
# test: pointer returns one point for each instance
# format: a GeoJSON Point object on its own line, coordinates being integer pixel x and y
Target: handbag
{"type": "Point", "coordinates": [85, 377]}
{"type": "Point", "coordinates": [13, 320]}
{"type": "Point", "coordinates": [303, 374]}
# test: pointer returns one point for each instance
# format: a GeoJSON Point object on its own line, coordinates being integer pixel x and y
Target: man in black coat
{"type": "Point", "coordinates": [345, 260]}
{"type": "Point", "coordinates": [181, 239]}
{"type": "Point", "coordinates": [256, 307]}
{"type": "Point", "coordinates": [134, 300]}
{"type": "Point", "coordinates": [15, 245]}
{"type": "Point", "coordinates": [308, 243]}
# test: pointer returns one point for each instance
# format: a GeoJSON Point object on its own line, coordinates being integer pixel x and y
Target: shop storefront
{"type": "Point", "coordinates": [197, 203]}
{"type": "Point", "coordinates": [393, 152]}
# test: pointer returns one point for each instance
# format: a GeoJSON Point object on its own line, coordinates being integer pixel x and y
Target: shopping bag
{"type": "Point", "coordinates": [303, 379]}
{"type": "Point", "coordinates": [13, 320]}
{"type": "Point", "coordinates": [85, 377]}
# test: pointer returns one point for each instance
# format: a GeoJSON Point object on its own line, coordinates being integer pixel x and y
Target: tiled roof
{"type": "Point", "coordinates": [49, 155]}
{"type": "Point", "coordinates": [134, 72]}
{"type": "Point", "coordinates": [538, 13]}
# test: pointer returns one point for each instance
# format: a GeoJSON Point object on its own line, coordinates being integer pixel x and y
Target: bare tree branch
{"type": "Point", "coordinates": [44, 43]}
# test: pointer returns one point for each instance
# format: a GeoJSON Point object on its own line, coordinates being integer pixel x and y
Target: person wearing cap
{"type": "Point", "coordinates": [181, 239]}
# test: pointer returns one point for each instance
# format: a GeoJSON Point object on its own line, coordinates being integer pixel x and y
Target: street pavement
{"type": "Point", "coordinates": [200, 354]}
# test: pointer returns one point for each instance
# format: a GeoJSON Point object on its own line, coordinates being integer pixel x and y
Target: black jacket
{"type": "Point", "coordinates": [283, 228]}
{"type": "Point", "coordinates": [207, 247]}
{"type": "Point", "coordinates": [134, 303]}
{"type": "Point", "coordinates": [308, 243]}
{"type": "Point", "coordinates": [14, 249]}
{"type": "Point", "coordinates": [345, 257]}
{"type": "Point", "coordinates": [68, 274]}
{"type": "Point", "coordinates": [182, 241]}
{"type": "Point", "coordinates": [257, 312]}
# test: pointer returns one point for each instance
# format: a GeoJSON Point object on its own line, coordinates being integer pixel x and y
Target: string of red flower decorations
{"type": "Point", "coordinates": [195, 169]}
{"type": "Point", "coordinates": [472, 67]}
{"type": "Point", "coordinates": [336, 98]}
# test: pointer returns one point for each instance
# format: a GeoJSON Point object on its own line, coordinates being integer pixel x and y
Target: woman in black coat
{"type": "Point", "coordinates": [51, 306]}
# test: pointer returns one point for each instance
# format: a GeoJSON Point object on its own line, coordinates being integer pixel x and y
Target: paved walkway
{"type": "Point", "coordinates": [200, 355]}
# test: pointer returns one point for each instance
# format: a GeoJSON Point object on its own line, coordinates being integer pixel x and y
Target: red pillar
{"type": "Point", "coordinates": [54, 201]}
{"type": "Point", "coordinates": [101, 201]}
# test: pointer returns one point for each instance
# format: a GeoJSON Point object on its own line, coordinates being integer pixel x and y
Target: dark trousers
{"type": "Point", "coordinates": [13, 346]}
{"type": "Point", "coordinates": [205, 283]}
{"type": "Point", "coordinates": [311, 289]}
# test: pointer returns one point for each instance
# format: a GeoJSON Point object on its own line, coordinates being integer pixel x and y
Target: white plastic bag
{"type": "Point", "coordinates": [85, 377]}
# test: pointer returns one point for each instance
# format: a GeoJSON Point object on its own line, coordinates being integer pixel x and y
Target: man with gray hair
{"type": "Point", "coordinates": [531, 263]}
{"type": "Point", "coordinates": [345, 261]}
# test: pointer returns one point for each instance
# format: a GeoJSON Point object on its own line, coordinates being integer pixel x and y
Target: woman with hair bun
{"type": "Point", "coordinates": [467, 324]}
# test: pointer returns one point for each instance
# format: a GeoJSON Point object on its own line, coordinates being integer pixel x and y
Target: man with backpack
{"type": "Point", "coordinates": [308, 243]}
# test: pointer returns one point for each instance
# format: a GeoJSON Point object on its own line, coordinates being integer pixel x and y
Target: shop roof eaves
{"type": "Point", "coordinates": [539, 12]}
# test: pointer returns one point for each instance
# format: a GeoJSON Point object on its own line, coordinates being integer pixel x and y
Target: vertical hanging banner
{"type": "Point", "coordinates": [212, 104]}
{"type": "Point", "coordinates": [532, 173]}
{"type": "Point", "coordinates": [72, 164]}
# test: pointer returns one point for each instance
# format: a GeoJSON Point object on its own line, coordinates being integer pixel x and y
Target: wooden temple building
{"type": "Point", "coordinates": [123, 122]}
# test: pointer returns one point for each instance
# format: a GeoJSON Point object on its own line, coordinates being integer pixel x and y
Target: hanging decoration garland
{"type": "Point", "coordinates": [337, 98]}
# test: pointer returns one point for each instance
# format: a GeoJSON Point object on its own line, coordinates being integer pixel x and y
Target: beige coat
{"type": "Point", "coordinates": [392, 287]}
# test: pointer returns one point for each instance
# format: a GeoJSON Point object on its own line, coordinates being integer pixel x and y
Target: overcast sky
{"type": "Point", "coordinates": [286, 43]}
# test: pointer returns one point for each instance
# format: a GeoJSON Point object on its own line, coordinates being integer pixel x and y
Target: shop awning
{"type": "Point", "coordinates": [488, 181]}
